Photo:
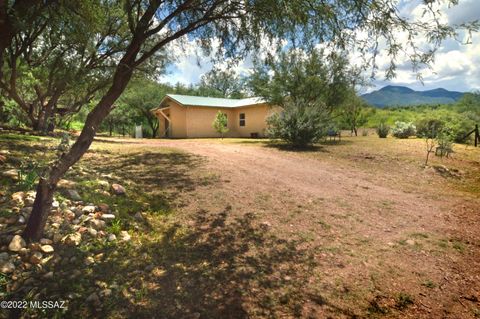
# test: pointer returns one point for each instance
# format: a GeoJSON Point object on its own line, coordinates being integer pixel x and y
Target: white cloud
{"type": "Point", "coordinates": [456, 67]}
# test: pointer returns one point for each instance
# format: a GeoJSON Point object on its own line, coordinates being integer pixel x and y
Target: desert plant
{"type": "Point", "coordinates": [429, 127]}
{"type": "Point", "coordinates": [220, 123]}
{"type": "Point", "coordinates": [403, 129]}
{"type": "Point", "coordinates": [383, 130]}
{"type": "Point", "coordinates": [299, 124]}
{"type": "Point", "coordinates": [445, 144]}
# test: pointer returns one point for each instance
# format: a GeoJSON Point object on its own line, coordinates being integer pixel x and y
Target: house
{"type": "Point", "coordinates": [183, 116]}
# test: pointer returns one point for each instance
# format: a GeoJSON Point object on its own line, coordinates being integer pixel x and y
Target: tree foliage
{"type": "Point", "coordinates": [220, 123]}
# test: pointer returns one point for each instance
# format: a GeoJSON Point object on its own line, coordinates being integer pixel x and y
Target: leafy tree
{"type": "Point", "coordinates": [222, 83]}
{"type": "Point", "coordinates": [354, 113]}
{"type": "Point", "coordinates": [220, 123]}
{"type": "Point", "coordinates": [142, 96]}
{"type": "Point", "coordinates": [309, 81]}
{"type": "Point", "coordinates": [238, 27]}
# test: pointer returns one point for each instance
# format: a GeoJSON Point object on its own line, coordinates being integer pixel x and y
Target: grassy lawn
{"type": "Point", "coordinates": [208, 248]}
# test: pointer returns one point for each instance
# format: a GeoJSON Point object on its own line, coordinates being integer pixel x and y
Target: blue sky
{"type": "Point", "coordinates": [456, 67]}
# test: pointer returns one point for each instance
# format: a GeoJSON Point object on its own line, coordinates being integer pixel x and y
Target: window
{"type": "Point", "coordinates": [242, 119]}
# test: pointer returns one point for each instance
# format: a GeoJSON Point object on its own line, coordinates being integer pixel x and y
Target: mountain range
{"type": "Point", "coordinates": [391, 95]}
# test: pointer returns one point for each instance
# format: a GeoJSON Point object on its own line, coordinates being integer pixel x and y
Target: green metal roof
{"type": "Point", "coordinates": [189, 100]}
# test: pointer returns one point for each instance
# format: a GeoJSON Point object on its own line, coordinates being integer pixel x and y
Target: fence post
{"type": "Point", "coordinates": [477, 135]}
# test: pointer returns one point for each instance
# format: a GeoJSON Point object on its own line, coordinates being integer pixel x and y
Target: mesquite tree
{"type": "Point", "coordinates": [239, 26]}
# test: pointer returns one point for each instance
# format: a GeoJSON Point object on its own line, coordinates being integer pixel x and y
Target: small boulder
{"type": "Point", "coordinates": [88, 209]}
{"type": "Point", "coordinates": [18, 197]}
{"type": "Point", "coordinates": [48, 275]}
{"type": "Point", "coordinates": [410, 242]}
{"type": "Point", "coordinates": [118, 189]}
{"type": "Point", "coordinates": [97, 224]}
{"type": "Point", "coordinates": [107, 217]}
{"type": "Point", "coordinates": [112, 237]}
{"type": "Point", "coordinates": [89, 260]}
{"type": "Point", "coordinates": [36, 257]}
{"type": "Point", "coordinates": [125, 236]}
{"type": "Point", "coordinates": [92, 232]}
{"type": "Point", "coordinates": [47, 249]}
{"type": "Point", "coordinates": [73, 195]}
{"type": "Point", "coordinates": [104, 208]}
{"type": "Point", "coordinates": [29, 201]}
{"type": "Point", "coordinates": [46, 241]}
{"type": "Point", "coordinates": [17, 243]}
{"type": "Point", "coordinates": [7, 267]}
{"type": "Point", "coordinates": [11, 173]}
{"type": "Point", "coordinates": [72, 239]}
{"type": "Point", "coordinates": [69, 215]}
{"type": "Point", "coordinates": [66, 184]}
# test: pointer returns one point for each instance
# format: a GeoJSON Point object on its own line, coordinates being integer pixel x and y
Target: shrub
{"type": "Point", "coordinates": [220, 123]}
{"type": "Point", "coordinates": [299, 124]}
{"type": "Point", "coordinates": [429, 128]}
{"type": "Point", "coordinates": [403, 129]}
{"type": "Point", "coordinates": [382, 130]}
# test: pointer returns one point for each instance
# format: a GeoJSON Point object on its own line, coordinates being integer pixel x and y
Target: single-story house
{"type": "Point", "coordinates": [184, 116]}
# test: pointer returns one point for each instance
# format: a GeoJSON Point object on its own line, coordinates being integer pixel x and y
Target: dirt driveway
{"type": "Point", "coordinates": [381, 249]}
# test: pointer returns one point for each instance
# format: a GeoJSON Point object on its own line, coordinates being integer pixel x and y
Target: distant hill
{"type": "Point", "coordinates": [402, 96]}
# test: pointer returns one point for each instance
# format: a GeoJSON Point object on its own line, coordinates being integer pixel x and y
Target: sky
{"type": "Point", "coordinates": [456, 66]}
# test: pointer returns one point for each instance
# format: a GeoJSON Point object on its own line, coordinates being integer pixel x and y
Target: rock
{"type": "Point", "coordinates": [48, 275]}
{"type": "Point", "coordinates": [36, 257]}
{"type": "Point", "coordinates": [26, 210]}
{"type": "Point", "coordinates": [73, 195]}
{"type": "Point", "coordinates": [92, 232]}
{"type": "Point", "coordinates": [265, 225]}
{"type": "Point", "coordinates": [97, 224]}
{"type": "Point", "coordinates": [7, 267]}
{"type": "Point", "coordinates": [34, 246]}
{"type": "Point", "coordinates": [88, 209]}
{"type": "Point", "coordinates": [104, 208]}
{"type": "Point", "coordinates": [104, 184]}
{"type": "Point", "coordinates": [118, 189]}
{"type": "Point", "coordinates": [11, 220]}
{"type": "Point", "coordinates": [4, 256]}
{"type": "Point", "coordinates": [55, 204]}
{"type": "Point", "coordinates": [21, 219]}
{"type": "Point", "coordinates": [47, 249]}
{"type": "Point", "coordinates": [125, 236]}
{"type": "Point", "coordinates": [66, 184]}
{"type": "Point", "coordinates": [11, 173]}
{"type": "Point", "coordinates": [89, 260]}
{"type": "Point", "coordinates": [410, 242]}
{"type": "Point", "coordinates": [72, 239]}
{"type": "Point", "coordinates": [69, 215]}
{"type": "Point", "coordinates": [17, 243]}
{"type": "Point", "coordinates": [18, 197]}
{"type": "Point", "coordinates": [105, 293]}
{"type": "Point", "coordinates": [46, 241]}
{"type": "Point", "coordinates": [107, 217]}
{"type": "Point", "coordinates": [29, 201]}
{"type": "Point", "coordinates": [112, 237]}
{"type": "Point", "coordinates": [139, 217]}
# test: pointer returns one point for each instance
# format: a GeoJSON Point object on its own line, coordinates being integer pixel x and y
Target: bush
{"type": "Point", "coordinates": [382, 130]}
{"type": "Point", "coordinates": [299, 124]}
{"type": "Point", "coordinates": [403, 129]}
{"type": "Point", "coordinates": [429, 128]}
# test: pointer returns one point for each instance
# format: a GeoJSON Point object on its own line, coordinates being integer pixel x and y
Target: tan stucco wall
{"type": "Point", "coordinates": [194, 121]}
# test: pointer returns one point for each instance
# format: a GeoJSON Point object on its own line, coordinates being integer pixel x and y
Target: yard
{"type": "Point", "coordinates": [242, 228]}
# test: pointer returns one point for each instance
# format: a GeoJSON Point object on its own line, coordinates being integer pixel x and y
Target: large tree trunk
{"type": "Point", "coordinates": [46, 188]}
{"type": "Point", "coordinates": [41, 207]}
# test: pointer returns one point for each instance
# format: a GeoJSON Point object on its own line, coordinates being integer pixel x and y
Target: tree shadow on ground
{"type": "Point", "coordinates": [219, 267]}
